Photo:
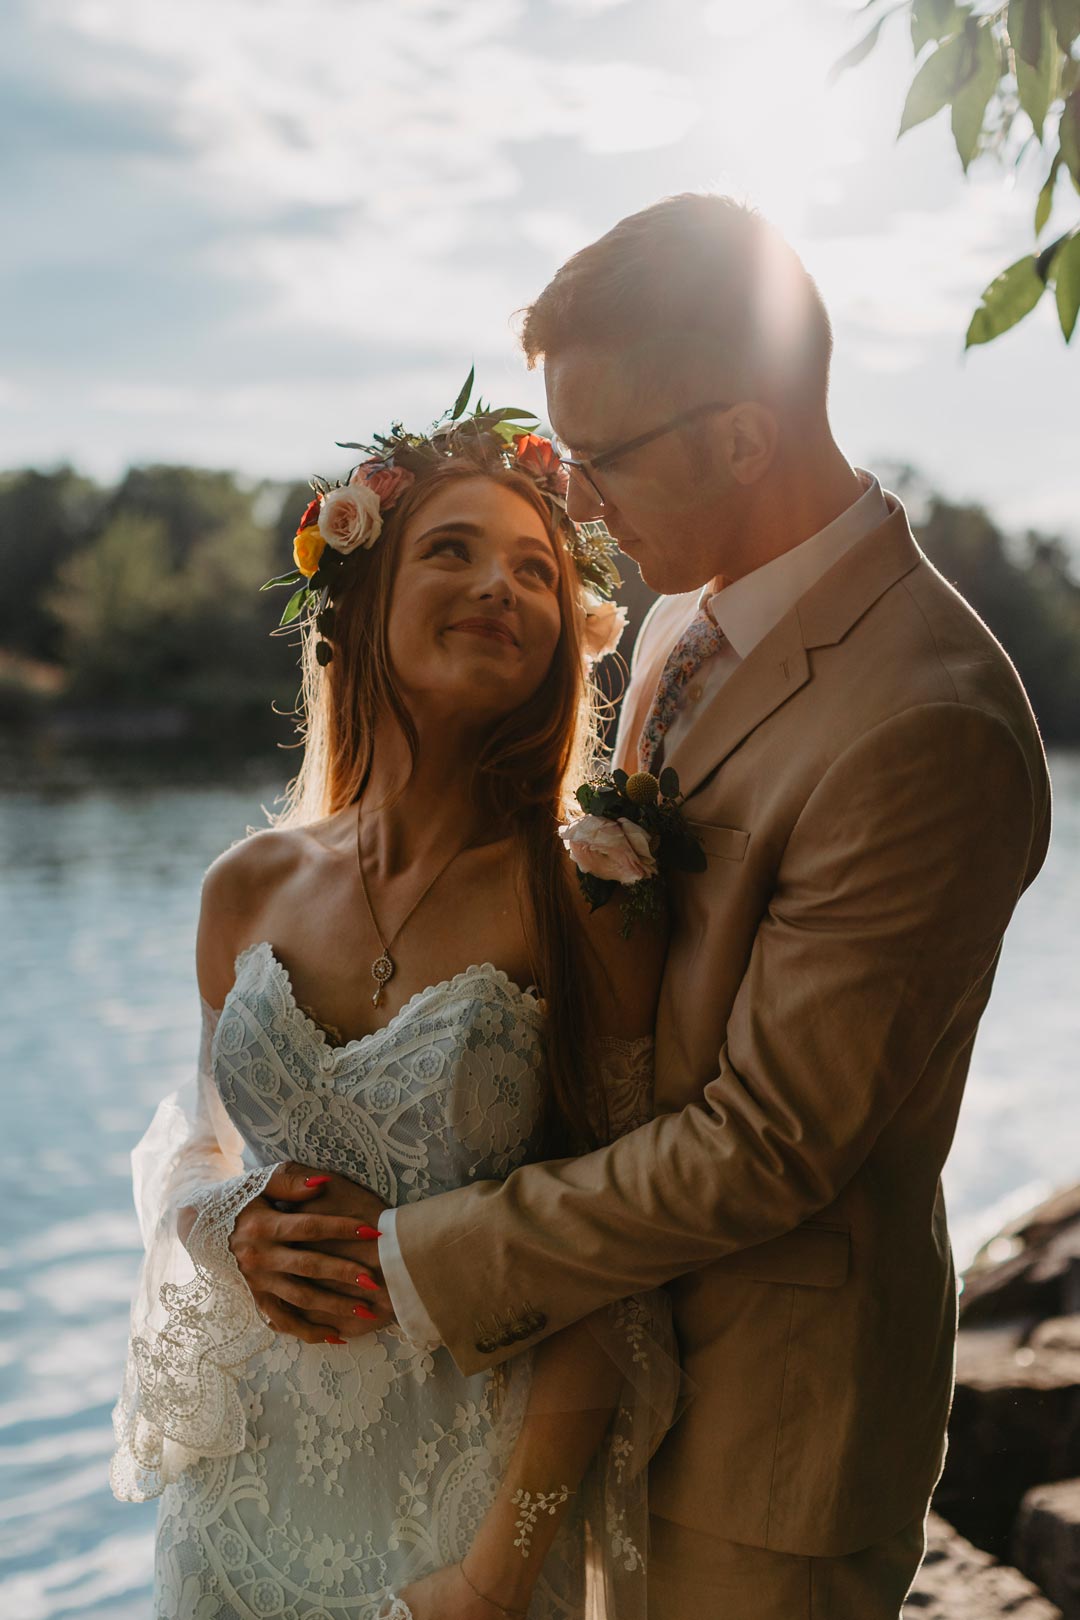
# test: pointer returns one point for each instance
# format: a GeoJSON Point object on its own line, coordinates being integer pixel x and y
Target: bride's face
{"type": "Point", "coordinates": [474, 611]}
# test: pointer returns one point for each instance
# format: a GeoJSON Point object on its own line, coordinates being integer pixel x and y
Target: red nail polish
{"type": "Point", "coordinates": [335, 1341]}
{"type": "Point", "coordinates": [364, 1281]}
{"type": "Point", "coordinates": [316, 1181]}
{"type": "Point", "coordinates": [368, 1233]}
{"type": "Point", "coordinates": [362, 1310]}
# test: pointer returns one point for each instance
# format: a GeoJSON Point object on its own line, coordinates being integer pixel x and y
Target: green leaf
{"type": "Point", "coordinates": [970, 102]}
{"type": "Point", "coordinates": [1065, 270]}
{"type": "Point", "coordinates": [463, 398]}
{"type": "Point", "coordinates": [1066, 15]}
{"type": "Point", "coordinates": [669, 783]}
{"type": "Point", "coordinates": [293, 577]}
{"type": "Point", "coordinates": [1035, 80]}
{"type": "Point", "coordinates": [620, 779]}
{"type": "Point", "coordinates": [1026, 31]}
{"type": "Point", "coordinates": [858, 53]}
{"type": "Point", "coordinates": [1009, 297]}
{"type": "Point", "coordinates": [509, 413]}
{"type": "Point", "coordinates": [1046, 196]}
{"type": "Point", "coordinates": [935, 19]}
{"type": "Point", "coordinates": [935, 84]}
{"type": "Point", "coordinates": [294, 606]}
{"type": "Point", "coordinates": [584, 796]}
{"type": "Point", "coordinates": [1069, 134]}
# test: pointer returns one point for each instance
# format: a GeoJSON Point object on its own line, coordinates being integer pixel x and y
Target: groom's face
{"type": "Point", "coordinates": [672, 505]}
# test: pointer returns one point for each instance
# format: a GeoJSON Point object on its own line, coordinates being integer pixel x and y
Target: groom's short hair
{"type": "Point", "coordinates": [693, 279]}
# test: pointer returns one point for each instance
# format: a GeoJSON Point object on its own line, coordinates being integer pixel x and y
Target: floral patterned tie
{"type": "Point", "coordinates": [699, 641]}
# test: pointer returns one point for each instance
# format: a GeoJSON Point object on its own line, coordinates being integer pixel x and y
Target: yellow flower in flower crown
{"type": "Point", "coordinates": [309, 543]}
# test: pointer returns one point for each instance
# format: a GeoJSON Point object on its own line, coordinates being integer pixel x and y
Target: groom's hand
{"type": "Point", "coordinates": [308, 1251]}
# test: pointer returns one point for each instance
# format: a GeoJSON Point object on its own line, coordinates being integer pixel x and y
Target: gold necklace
{"type": "Point", "coordinates": [383, 967]}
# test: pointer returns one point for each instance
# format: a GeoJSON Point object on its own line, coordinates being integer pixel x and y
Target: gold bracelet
{"type": "Point", "coordinates": [475, 1590]}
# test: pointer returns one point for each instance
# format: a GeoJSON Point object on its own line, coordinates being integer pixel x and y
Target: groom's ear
{"type": "Point", "coordinates": [752, 437]}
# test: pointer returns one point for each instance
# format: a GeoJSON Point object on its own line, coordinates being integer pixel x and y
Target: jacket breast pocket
{"type": "Point", "coordinates": [720, 843]}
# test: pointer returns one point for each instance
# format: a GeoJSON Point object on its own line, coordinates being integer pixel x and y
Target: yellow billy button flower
{"type": "Point", "coordinates": [308, 547]}
{"type": "Point", "coordinates": [642, 788]}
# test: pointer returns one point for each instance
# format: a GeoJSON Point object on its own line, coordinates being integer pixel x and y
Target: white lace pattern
{"type": "Point", "coordinates": [312, 1482]}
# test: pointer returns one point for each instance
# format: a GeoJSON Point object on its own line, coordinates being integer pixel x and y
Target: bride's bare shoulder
{"type": "Point", "coordinates": [236, 890]}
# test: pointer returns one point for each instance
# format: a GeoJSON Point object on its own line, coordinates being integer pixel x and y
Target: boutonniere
{"type": "Point", "coordinates": [631, 836]}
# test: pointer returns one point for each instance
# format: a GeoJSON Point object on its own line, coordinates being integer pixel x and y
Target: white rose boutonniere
{"type": "Point", "coordinates": [631, 836]}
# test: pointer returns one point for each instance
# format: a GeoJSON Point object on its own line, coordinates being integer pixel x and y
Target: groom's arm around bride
{"type": "Point", "coordinates": [868, 782]}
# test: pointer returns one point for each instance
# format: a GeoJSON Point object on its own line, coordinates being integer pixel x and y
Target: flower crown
{"type": "Point", "coordinates": [347, 517]}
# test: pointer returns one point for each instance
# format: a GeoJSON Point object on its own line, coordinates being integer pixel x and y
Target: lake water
{"type": "Point", "coordinates": [99, 1021]}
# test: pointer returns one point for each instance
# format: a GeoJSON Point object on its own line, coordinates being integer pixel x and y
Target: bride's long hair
{"type": "Point", "coordinates": [523, 776]}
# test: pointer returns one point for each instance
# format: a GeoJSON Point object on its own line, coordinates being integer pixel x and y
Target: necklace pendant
{"type": "Point", "coordinates": [382, 971]}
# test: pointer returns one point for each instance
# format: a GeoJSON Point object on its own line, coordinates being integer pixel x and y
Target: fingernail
{"type": "Point", "coordinates": [335, 1341]}
{"type": "Point", "coordinates": [362, 1310]}
{"type": "Point", "coordinates": [368, 1233]}
{"type": "Point", "coordinates": [317, 1181]}
{"type": "Point", "coordinates": [364, 1281]}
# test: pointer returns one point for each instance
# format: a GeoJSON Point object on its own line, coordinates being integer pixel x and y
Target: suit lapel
{"type": "Point", "coordinates": [779, 665]}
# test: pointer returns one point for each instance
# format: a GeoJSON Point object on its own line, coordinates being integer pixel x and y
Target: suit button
{"type": "Point", "coordinates": [486, 1346]}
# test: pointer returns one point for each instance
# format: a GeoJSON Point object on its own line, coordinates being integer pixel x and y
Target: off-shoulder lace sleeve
{"type": "Point", "coordinates": [193, 1319]}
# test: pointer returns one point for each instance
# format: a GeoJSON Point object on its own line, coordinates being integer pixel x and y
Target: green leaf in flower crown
{"type": "Point", "coordinates": [669, 783]}
{"type": "Point", "coordinates": [463, 398]}
{"type": "Point", "coordinates": [293, 577]}
{"type": "Point", "coordinates": [294, 606]}
{"type": "Point", "coordinates": [584, 796]}
{"type": "Point", "coordinates": [1065, 269]}
{"type": "Point", "coordinates": [620, 779]}
{"type": "Point", "coordinates": [1009, 297]}
{"type": "Point", "coordinates": [508, 413]}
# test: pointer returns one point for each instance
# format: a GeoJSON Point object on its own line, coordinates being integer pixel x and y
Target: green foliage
{"type": "Point", "coordinates": [1066, 269]}
{"type": "Point", "coordinates": [992, 66]}
{"type": "Point", "coordinates": [1027, 594]}
{"type": "Point", "coordinates": [1009, 297]}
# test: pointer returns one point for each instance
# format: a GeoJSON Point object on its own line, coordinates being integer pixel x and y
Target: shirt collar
{"type": "Point", "coordinates": [747, 609]}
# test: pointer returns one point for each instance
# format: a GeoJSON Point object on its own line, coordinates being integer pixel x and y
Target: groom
{"type": "Point", "coordinates": [866, 777]}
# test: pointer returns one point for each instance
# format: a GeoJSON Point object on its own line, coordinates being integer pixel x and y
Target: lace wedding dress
{"type": "Point", "coordinates": [313, 1482]}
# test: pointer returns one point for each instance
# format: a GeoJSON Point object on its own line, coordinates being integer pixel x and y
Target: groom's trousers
{"type": "Point", "coordinates": [699, 1577]}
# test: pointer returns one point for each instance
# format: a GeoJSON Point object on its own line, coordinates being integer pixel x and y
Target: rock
{"type": "Point", "coordinates": [1031, 1269]}
{"type": "Point", "coordinates": [959, 1582]}
{"type": "Point", "coordinates": [1015, 1423]}
{"type": "Point", "coordinates": [1047, 1542]}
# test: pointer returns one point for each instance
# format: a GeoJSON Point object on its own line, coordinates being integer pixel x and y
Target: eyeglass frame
{"type": "Point", "coordinates": [587, 465]}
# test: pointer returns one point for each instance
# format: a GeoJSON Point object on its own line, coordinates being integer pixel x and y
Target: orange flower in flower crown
{"type": "Point", "coordinates": [308, 542]}
{"type": "Point", "coordinates": [539, 457]}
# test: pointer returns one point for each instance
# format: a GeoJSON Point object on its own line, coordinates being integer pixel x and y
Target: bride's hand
{"type": "Point", "coordinates": [446, 1595]}
{"type": "Point", "coordinates": [297, 1288]}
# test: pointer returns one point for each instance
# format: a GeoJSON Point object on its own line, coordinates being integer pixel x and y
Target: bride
{"type": "Point", "coordinates": [401, 987]}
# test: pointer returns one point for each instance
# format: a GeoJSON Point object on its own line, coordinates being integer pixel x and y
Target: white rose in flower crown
{"type": "Point", "coordinates": [603, 627]}
{"type": "Point", "coordinates": [350, 517]}
{"type": "Point", "coordinates": [618, 851]}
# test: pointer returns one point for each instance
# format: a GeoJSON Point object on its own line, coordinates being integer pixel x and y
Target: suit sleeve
{"type": "Point", "coordinates": [888, 909]}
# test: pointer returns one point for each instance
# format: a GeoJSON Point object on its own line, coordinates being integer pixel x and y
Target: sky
{"type": "Point", "coordinates": [239, 230]}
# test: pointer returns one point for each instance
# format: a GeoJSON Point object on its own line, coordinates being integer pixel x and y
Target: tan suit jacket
{"type": "Point", "coordinates": [872, 795]}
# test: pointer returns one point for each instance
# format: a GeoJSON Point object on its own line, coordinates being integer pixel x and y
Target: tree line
{"type": "Point", "coordinates": [141, 600]}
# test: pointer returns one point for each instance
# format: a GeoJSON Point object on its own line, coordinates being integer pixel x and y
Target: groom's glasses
{"type": "Point", "coordinates": [587, 466]}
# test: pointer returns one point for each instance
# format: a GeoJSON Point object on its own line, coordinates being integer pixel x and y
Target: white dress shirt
{"type": "Point", "coordinates": [745, 611]}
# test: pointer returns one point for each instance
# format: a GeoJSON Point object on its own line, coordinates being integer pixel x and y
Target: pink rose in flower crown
{"type": "Point", "coordinates": [389, 483]}
{"type": "Point", "coordinates": [349, 518]}
{"type": "Point", "coordinates": [603, 626]}
{"type": "Point", "coordinates": [618, 851]}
